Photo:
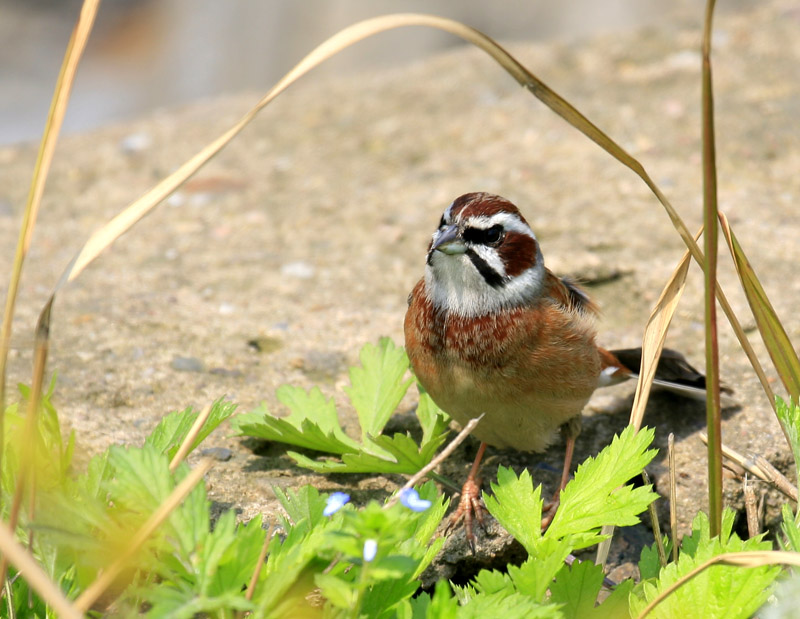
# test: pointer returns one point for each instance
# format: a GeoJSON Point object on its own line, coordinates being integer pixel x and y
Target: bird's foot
{"type": "Point", "coordinates": [470, 507]}
{"type": "Point", "coordinates": [549, 511]}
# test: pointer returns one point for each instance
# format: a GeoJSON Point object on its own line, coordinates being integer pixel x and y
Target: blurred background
{"type": "Point", "coordinates": [148, 54]}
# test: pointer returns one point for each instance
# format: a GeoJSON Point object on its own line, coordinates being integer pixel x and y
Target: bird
{"type": "Point", "coordinates": [490, 330]}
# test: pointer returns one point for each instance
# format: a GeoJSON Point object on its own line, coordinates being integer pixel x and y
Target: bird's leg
{"type": "Point", "coordinates": [470, 503]}
{"type": "Point", "coordinates": [570, 430]}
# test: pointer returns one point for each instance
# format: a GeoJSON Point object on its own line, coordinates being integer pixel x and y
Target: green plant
{"type": "Point", "coordinates": [376, 389]}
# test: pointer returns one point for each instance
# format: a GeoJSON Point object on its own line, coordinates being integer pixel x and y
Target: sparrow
{"type": "Point", "coordinates": [490, 330]}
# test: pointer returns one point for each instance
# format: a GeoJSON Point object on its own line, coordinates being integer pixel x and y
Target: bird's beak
{"type": "Point", "coordinates": [447, 241]}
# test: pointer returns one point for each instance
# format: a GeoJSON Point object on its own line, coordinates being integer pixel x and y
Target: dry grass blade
{"type": "Point", "coordinates": [35, 576]}
{"type": "Point", "coordinates": [655, 332]}
{"type": "Point", "coordinates": [107, 577]}
{"type": "Point", "coordinates": [756, 558]}
{"type": "Point", "coordinates": [760, 467]}
{"type": "Point", "coordinates": [251, 586]}
{"type": "Point", "coordinates": [102, 238]}
{"type": "Point", "coordinates": [772, 332]}
{"type": "Point", "coordinates": [26, 465]}
{"type": "Point", "coordinates": [604, 547]}
{"type": "Point", "coordinates": [55, 118]}
{"type": "Point", "coordinates": [750, 508]}
{"type": "Point", "coordinates": [662, 553]}
{"type": "Point", "coordinates": [186, 445]}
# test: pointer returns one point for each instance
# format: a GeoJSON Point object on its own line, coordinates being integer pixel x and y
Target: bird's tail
{"type": "Point", "coordinates": [673, 373]}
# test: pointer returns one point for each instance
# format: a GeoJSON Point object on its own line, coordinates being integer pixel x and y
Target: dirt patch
{"type": "Point", "coordinates": [300, 241]}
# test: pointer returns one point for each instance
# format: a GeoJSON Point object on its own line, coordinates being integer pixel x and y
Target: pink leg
{"type": "Point", "coordinates": [470, 503]}
{"type": "Point", "coordinates": [571, 431]}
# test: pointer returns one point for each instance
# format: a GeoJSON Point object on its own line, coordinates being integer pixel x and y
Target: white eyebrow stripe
{"type": "Point", "coordinates": [509, 221]}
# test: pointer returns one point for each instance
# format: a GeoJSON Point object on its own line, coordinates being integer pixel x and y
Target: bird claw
{"type": "Point", "coordinates": [549, 512]}
{"type": "Point", "coordinates": [469, 506]}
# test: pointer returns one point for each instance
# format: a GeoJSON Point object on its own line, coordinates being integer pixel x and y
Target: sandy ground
{"type": "Point", "coordinates": [308, 232]}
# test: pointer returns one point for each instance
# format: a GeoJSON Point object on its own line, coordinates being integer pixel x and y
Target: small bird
{"type": "Point", "coordinates": [490, 330]}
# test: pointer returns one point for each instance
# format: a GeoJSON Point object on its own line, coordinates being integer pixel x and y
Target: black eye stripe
{"type": "Point", "coordinates": [492, 277]}
{"type": "Point", "coordinates": [484, 236]}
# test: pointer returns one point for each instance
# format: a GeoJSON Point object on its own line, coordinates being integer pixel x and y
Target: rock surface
{"type": "Point", "coordinates": [301, 240]}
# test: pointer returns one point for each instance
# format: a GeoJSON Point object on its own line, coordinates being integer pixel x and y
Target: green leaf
{"type": "Point", "coordinates": [577, 588]}
{"type": "Point", "coordinates": [337, 591]}
{"type": "Point", "coordinates": [790, 529]}
{"type": "Point", "coordinates": [312, 424]}
{"type": "Point", "coordinates": [597, 496]}
{"type": "Point", "coordinates": [534, 576]}
{"type": "Point", "coordinates": [432, 419]}
{"type": "Point", "coordinates": [720, 591]}
{"type": "Point", "coordinates": [402, 456]}
{"type": "Point", "coordinates": [507, 605]}
{"type": "Point", "coordinates": [442, 605]}
{"type": "Point", "coordinates": [171, 431]}
{"type": "Point", "coordinates": [385, 595]}
{"type": "Point", "coordinates": [492, 581]}
{"type": "Point", "coordinates": [302, 505]}
{"type": "Point", "coordinates": [789, 416]}
{"type": "Point", "coordinates": [377, 386]}
{"type": "Point", "coordinates": [517, 506]}
{"type": "Point", "coordinates": [649, 561]}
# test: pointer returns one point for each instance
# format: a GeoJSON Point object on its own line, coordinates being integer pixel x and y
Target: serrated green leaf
{"type": "Point", "coordinates": [442, 605]}
{"type": "Point", "coordinates": [649, 560]}
{"type": "Point", "coordinates": [377, 387]}
{"type": "Point", "coordinates": [597, 496]}
{"type": "Point", "coordinates": [429, 520]}
{"type": "Point", "coordinates": [535, 575]}
{"type": "Point", "coordinates": [311, 405]}
{"type": "Point", "coordinates": [432, 419]}
{"type": "Point", "coordinates": [307, 434]}
{"type": "Point", "coordinates": [302, 505]}
{"type": "Point", "coordinates": [517, 506]}
{"type": "Point", "coordinates": [392, 567]}
{"type": "Point", "coordinates": [577, 588]}
{"type": "Point", "coordinates": [789, 416]}
{"type": "Point", "coordinates": [337, 591]}
{"type": "Point", "coordinates": [312, 424]}
{"type": "Point", "coordinates": [790, 529]}
{"type": "Point", "coordinates": [402, 456]}
{"type": "Point", "coordinates": [720, 591]}
{"type": "Point", "coordinates": [492, 581]}
{"type": "Point", "coordinates": [171, 431]}
{"type": "Point", "coordinates": [507, 605]}
{"type": "Point", "coordinates": [385, 596]}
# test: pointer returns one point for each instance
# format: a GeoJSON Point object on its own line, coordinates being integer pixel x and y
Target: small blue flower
{"type": "Point", "coordinates": [370, 549]}
{"type": "Point", "coordinates": [335, 502]}
{"type": "Point", "coordinates": [410, 498]}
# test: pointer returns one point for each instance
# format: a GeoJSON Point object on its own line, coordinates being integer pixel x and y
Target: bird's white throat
{"type": "Point", "coordinates": [454, 284]}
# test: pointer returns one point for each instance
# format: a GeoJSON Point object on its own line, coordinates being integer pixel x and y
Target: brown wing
{"type": "Point", "coordinates": [568, 293]}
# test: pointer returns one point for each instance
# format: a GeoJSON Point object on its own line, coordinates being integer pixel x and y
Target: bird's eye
{"type": "Point", "coordinates": [493, 234]}
{"type": "Point", "coordinates": [442, 222]}
{"type": "Point", "coordinates": [487, 236]}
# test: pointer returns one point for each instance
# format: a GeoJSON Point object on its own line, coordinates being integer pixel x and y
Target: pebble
{"type": "Point", "coordinates": [187, 364]}
{"type": "Point", "coordinates": [221, 454]}
{"type": "Point", "coordinates": [135, 143]}
{"type": "Point", "coordinates": [299, 269]}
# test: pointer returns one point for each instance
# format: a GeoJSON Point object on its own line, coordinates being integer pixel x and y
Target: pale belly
{"type": "Point", "coordinates": [526, 420]}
